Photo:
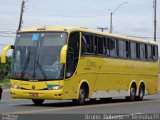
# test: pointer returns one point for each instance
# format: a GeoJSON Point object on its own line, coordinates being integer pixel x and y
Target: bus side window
{"type": "Point", "coordinates": [142, 51]}
{"type": "Point", "coordinates": [154, 52]}
{"type": "Point", "coordinates": [120, 48]}
{"type": "Point", "coordinates": [87, 44]}
{"type": "Point", "coordinates": [91, 44]}
{"type": "Point", "coordinates": [95, 45]}
{"type": "Point", "coordinates": [113, 47]}
{"type": "Point", "coordinates": [146, 52]}
{"type": "Point", "coordinates": [137, 51]}
{"type": "Point", "coordinates": [72, 53]}
{"type": "Point", "coordinates": [84, 45]}
{"type": "Point", "coordinates": [104, 46]}
{"type": "Point", "coordinates": [127, 49]}
{"type": "Point", "coordinates": [107, 47]}
{"type": "Point", "coordinates": [149, 52]}
{"type": "Point", "coordinates": [133, 50]}
{"type": "Point", "coordinates": [100, 46]}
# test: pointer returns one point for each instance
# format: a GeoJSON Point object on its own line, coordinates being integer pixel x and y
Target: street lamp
{"type": "Point", "coordinates": [111, 14]}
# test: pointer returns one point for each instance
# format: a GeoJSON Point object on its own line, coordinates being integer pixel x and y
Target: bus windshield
{"type": "Point", "coordinates": [36, 56]}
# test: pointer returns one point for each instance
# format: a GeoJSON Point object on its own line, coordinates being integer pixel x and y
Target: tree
{"type": "Point", "coordinates": [5, 69]}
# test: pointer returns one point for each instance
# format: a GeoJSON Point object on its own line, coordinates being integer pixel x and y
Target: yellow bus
{"type": "Point", "coordinates": [76, 63]}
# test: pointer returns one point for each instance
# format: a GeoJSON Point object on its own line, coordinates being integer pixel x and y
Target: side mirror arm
{"type": "Point", "coordinates": [4, 51]}
{"type": "Point", "coordinates": [63, 54]}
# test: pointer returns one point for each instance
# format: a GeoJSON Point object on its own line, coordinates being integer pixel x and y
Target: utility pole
{"type": "Point", "coordinates": [102, 28]}
{"type": "Point", "coordinates": [111, 26]}
{"type": "Point", "coordinates": [21, 16]}
{"type": "Point", "coordinates": [155, 19]}
{"type": "Point", "coordinates": [111, 15]}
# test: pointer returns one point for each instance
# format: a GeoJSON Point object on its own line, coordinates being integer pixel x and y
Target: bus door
{"type": "Point", "coordinates": [72, 63]}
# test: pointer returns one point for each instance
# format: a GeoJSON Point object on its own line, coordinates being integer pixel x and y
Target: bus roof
{"type": "Point", "coordinates": [84, 29]}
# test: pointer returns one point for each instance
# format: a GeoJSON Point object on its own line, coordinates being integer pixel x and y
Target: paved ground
{"type": "Point", "coordinates": [151, 104]}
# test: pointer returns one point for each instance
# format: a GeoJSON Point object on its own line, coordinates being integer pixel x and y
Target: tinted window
{"type": "Point", "coordinates": [37, 56]}
{"type": "Point", "coordinates": [112, 47]}
{"type": "Point", "coordinates": [142, 52]}
{"type": "Point", "coordinates": [121, 48]}
{"type": "Point", "coordinates": [154, 53]}
{"type": "Point", "coordinates": [137, 51]}
{"type": "Point", "coordinates": [104, 46]}
{"type": "Point", "coordinates": [107, 47]}
{"type": "Point", "coordinates": [72, 53]}
{"type": "Point", "coordinates": [149, 52]}
{"type": "Point", "coordinates": [146, 52]}
{"type": "Point", "coordinates": [133, 50]}
{"type": "Point", "coordinates": [100, 45]}
{"type": "Point", "coordinates": [95, 45]}
{"type": "Point", "coordinates": [87, 44]}
{"type": "Point", "coordinates": [127, 49]}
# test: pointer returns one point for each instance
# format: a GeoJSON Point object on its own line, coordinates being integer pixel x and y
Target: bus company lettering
{"type": "Point", "coordinates": [91, 64]}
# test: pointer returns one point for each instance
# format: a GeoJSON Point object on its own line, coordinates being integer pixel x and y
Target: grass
{"type": "Point", "coordinates": [5, 83]}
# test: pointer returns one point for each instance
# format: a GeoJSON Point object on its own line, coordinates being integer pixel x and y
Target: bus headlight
{"type": "Point", "coordinates": [56, 87]}
{"type": "Point", "coordinates": [15, 87]}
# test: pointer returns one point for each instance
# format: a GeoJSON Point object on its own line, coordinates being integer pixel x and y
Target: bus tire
{"type": "Point", "coordinates": [141, 93]}
{"type": "Point", "coordinates": [82, 97]}
{"type": "Point", "coordinates": [38, 101]}
{"type": "Point", "coordinates": [132, 96]}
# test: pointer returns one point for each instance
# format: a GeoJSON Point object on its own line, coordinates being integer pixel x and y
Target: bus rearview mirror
{"type": "Point", "coordinates": [4, 51]}
{"type": "Point", "coordinates": [63, 54]}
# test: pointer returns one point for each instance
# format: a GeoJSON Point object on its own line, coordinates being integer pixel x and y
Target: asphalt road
{"type": "Point", "coordinates": [151, 104]}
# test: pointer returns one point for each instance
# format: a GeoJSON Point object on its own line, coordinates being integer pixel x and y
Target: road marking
{"type": "Point", "coordinates": [79, 107]}
{"type": "Point", "coordinates": [39, 111]}
{"type": "Point", "coordinates": [11, 100]}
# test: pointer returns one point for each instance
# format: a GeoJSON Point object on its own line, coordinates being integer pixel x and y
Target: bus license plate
{"type": "Point", "coordinates": [33, 94]}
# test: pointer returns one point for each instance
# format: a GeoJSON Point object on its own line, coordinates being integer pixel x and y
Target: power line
{"type": "Point", "coordinates": [74, 13]}
{"type": "Point", "coordinates": [66, 14]}
{"type": "Point", "coordinates": [8, 36]}
{"type": "Point", "coordinates": [7, 33]}
{"type": "Point", "coordinates": [6, 29]}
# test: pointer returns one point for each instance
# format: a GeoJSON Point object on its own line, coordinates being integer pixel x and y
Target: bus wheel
{"type": "Point", "coordinates": [132, 93]}
{"type": "Point", "coordinates": [38, 101]}
{"type": "Point", "coordinates": [141, 93]}
{"type": "Point", "coordinates": [82, 97]}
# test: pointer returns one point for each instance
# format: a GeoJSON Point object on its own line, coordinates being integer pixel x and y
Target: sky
{"type": "Point", "coordinates": [135, 18]}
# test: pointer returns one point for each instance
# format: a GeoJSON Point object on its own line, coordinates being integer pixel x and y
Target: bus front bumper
{"type": "Point", "coordinates": [37, 94]}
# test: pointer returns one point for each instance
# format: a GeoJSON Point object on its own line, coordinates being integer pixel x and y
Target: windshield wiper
{"type": "Point", "coordinates": [25, 66]}
{"type": "Point", "coordinates": [37, 63]}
